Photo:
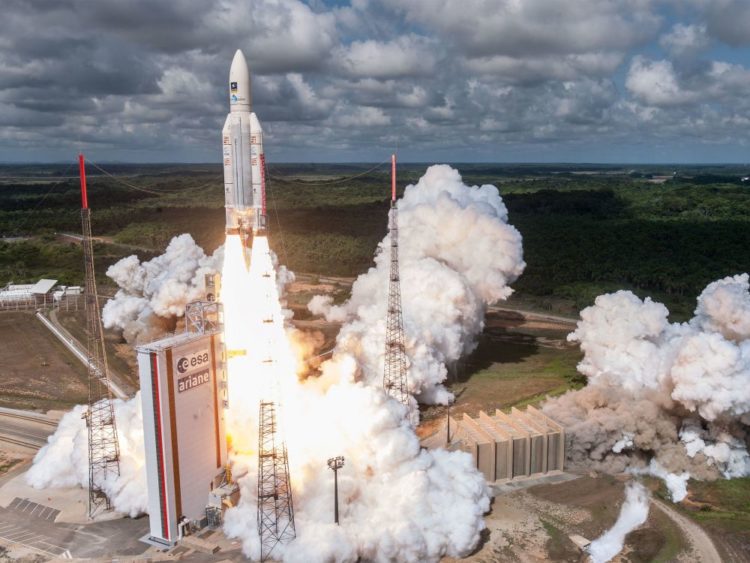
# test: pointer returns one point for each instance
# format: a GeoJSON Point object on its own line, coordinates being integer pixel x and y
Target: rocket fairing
{"type": "Point", "coordinates": [244, 162]}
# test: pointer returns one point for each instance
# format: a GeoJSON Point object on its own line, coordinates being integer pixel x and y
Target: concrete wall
{"type": "Point", "coordinates": [503, 460]}
{"type": "Point", "coordinates": [511, 446]}
{"type": "Point", "coordinates": [486, 460]}
{"type": "Point", "coordinates": [538, 451]}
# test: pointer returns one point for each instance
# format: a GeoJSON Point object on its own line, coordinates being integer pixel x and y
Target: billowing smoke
{"type": "Point", "coordinates": [397, 501]}
{"type": "Point", "coordinates": [670, 399]}
{"type": "Point", "coordinates": [154, 293]}
{"type": "Point", "coordinates": [63, 462]}
{"type": "Point", "coordinates": [457, 255]}
{"type": "Point", "coordinates": [675, 483]}
{"type": "Point", "coordinates": [632, 514]}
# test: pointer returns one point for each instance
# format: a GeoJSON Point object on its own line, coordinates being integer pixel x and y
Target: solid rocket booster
{"type": "Point", "coordinates": [244, 162]}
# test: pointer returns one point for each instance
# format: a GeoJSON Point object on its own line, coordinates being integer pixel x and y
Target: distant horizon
{"type": "Point", "coordinates": [373, 163]}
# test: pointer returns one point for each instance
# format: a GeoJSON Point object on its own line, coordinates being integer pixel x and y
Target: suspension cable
{"type": "Point", "coordinates": [276, 212]}
{"type": "Point", "coordinates": [146, 190]}
{"type": "Point", "coordinates": [339, 180]}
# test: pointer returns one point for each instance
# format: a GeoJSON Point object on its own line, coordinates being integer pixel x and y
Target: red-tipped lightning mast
{"type": "Point", "coordinates": [104, 448]}
{"type": "Point", "coordinates": [82, 172]}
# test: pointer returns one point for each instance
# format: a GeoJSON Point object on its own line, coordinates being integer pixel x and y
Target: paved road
{"type": "Point", "coordinates": [26, 429]}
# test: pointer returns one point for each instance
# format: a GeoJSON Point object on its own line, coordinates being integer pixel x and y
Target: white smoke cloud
{"type": "Point", "coordinates": [670, 399]}
{"type": "Point", "coordinates": [632, 514]}
{"type": "Point", "coordinates": [397, 502]}
{"type": "Point", "coordinates": [154, 292]}
{"type": "Point", "coordinates": [723, 307]}
{"type": "Point", "coordinates": [457, 255]}
{"type": "Point", "coordinates": [63, 462]}
{"type": "Point", "coordinates": [675, 483]}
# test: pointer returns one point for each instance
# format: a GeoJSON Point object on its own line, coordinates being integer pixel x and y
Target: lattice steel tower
{"type": "Point", "coordinates": [104, 449]}
{"type": "Point", "coordinates": [275, 506]}
{"type": "Point", "coordinates": [394, 379]}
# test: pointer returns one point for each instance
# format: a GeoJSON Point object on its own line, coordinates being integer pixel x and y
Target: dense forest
{"type": "Point", "coordinates": [663, 232]}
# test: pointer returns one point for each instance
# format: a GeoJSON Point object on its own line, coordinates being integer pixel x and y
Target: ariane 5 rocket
{"type": "Point", "coordinates": [244, 163]}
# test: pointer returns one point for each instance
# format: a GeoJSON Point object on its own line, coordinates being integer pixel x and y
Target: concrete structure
{"type": "Point", "coordinates": [183, 389]}
{"type": "Point", "coordinates": [507, 446]}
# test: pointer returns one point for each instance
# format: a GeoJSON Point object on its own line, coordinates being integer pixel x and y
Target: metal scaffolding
{"type": "Point", "coordinates": [394, 379]}
{"type": "Point", "coordinates": [275, 506]}
{"type": "Point", "coordinates": [104, 448]}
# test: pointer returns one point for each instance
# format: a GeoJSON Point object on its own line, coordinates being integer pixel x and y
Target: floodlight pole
{"type": "Point", "coordinates": [336, 463]}
{"type": "Point", "coordinates": [448, 428]}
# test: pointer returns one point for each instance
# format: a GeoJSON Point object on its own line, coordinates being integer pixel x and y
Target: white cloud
{"type": "Point", "coordinates": [279, 35]}
{"type": "Point", "coordinates": [655, 83]}
{"type": "Point", "coordinates": [409, 55]}
{"type": "Point", "coordinates": [534, 69]}
{"type": "Point", "coordinates": [535, 27]}
{"type": "Point", "coordinates": [363, 117]}
{"type": "Point", "coordinates": [685, 40]}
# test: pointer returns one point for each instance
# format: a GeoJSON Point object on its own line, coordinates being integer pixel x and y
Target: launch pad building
{"type": "Point", "coordinates": [506, 446]}
{"type": "Point", "coordinates": [183, 393]}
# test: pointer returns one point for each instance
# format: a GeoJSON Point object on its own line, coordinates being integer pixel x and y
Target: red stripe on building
{"type": "Point", "coordinates": [160, 446]}
{"type": "Point", "coordinates": [215, 375]}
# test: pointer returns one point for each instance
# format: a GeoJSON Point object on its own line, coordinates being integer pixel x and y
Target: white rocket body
{"type": "Point", "coordinates": [244, 164]}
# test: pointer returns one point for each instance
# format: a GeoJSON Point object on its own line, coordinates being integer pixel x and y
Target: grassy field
{"type": "Point", "coordinates": [515, 371]}
{"type": "Point", "coordinates": [723, 509]}
{"type": "Point", "coordinates": [517, 362]}
{"type": "Point", "coordinates": [38, 371]}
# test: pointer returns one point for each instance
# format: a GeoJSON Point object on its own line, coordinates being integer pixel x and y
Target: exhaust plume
{"type": "Point", "coordinates": [632, 514]}
{"type": "Point", "coordinates": [63, 462]}
{"type": "Point", "coordinates": [669, 399]}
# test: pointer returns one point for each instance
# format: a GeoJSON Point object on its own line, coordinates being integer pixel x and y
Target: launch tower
{"type": "Point", "coordinates": [275, 507]}
{"type": "Point", "coordinates": [394, 379]}
{"type": "Point", "coordinates": [104, 449]}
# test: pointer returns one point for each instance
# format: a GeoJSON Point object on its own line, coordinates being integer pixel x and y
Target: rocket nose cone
{"type": "Point", "coordinates": [239, 83]}
{"type": "Point", "coordinates": [239, 59]}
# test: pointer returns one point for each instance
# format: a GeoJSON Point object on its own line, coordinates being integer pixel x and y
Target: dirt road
{"type": "Point", "coordinates": [704, 550]}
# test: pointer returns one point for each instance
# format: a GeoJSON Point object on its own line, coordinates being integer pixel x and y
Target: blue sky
{"type": "Point", "coordinates": [333, 80]}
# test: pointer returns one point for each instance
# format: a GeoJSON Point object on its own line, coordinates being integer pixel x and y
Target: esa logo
{"type": "Point", "coordinates": [189, 362]}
